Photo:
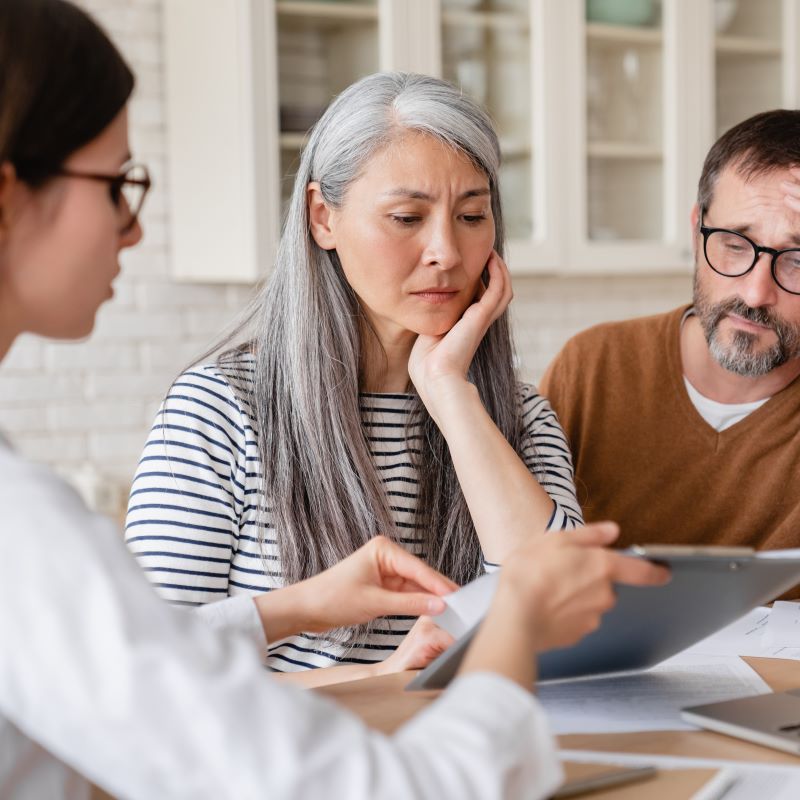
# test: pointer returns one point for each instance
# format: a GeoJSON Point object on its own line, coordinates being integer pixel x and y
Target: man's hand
{"type": "Point", "coordinates": [792, 189]}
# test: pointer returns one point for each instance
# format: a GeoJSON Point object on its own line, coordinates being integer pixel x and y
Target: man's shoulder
{"type": "Point", "coordinates": [641, 334]}
{"type": "Point", "coordinates": [601, 357]}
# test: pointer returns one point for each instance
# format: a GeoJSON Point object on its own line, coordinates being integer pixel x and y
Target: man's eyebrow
{"type": "Point", "coordinates": [747, 230]}
{"type": "Point", "coordinates": [415, 194]}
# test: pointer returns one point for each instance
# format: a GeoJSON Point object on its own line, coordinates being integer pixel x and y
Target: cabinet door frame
{"type": "Point", "coordinates": [223, 166]}
{"type": "Point", "coordinates": [668, 254]}
{"type": "Point", "coordinates": [543, 251]}
{"type": "Point", "coordinates": [223, 161]}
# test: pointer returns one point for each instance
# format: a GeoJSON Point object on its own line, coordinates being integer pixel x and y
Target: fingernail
{"type": "Point", "coordinates": [436, 605]}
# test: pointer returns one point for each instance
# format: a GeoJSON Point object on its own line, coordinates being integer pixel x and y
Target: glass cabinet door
{"type": "Point", "coordinates": [748, 59]}
{"type": "Point", "coordinates": [486, 50]}
{"type": "Point", "coordinates": [624, 118]}
{"type": "Point", "coordinates": [323, 47]}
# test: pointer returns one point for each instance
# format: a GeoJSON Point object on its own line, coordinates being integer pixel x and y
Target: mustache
{"type": "Point", "coordinates": [758, 315]}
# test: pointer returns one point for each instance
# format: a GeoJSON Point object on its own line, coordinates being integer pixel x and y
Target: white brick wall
{"type": "Point", "coordinates": [86, 408]}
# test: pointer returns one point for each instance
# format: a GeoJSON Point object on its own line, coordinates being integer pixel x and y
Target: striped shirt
{"type": "Point", "coordinates": [194, 520]}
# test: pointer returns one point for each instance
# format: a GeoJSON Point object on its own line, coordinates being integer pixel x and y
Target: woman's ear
{"type": "Point", "coordinates": [319, 217]}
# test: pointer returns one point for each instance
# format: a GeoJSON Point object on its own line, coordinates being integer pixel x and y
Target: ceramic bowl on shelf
{"type": "Point", "coordinates": [621, 12]}
{"type": "Point", "coordinates": [724, 12]}
{"type": "Point", "coordinates": [461, 5]}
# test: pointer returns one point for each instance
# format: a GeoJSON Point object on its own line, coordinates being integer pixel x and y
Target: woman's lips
{"type": "Point", "coordinates": [436, 296]}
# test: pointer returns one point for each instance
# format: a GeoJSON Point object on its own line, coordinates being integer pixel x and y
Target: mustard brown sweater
{"type": "Point", "coordinates": [646, 458]}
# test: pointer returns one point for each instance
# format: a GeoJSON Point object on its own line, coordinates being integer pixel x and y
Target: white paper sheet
{"type": "Point", "coordinates": [647, 701]}
{"type": "Point", "coordinates": [468, 605]}
{"type": "Point", "coordinates": [783, 628]}
{"type": "Point", "coordinates": [745, 637]}
{"type": "Point", "coordinates": [789, 552]}
{"type": "Point", "coordinates": [746, 780]}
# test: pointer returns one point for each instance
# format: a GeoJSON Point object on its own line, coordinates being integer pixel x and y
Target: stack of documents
{"type": "Point", "coordinates": [764, 632]}
{"type": "Point", "coordinates": [735, 780]}
{"type": "Point", "coordinates": [647, 701]}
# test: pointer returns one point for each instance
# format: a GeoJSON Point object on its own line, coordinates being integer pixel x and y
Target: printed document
{"type": "Point", "coordinates": [647, 701]}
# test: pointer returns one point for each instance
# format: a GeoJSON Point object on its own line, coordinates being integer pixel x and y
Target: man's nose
{"type": "Point", "coordinates": [758, 288]}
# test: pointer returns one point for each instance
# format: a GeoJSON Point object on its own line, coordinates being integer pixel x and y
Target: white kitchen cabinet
{"type": "Point", "coordinates": [603, 126]}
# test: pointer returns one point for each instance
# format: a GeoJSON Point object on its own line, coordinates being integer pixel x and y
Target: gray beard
{"type": "Point", "coordinates": [738, 356]}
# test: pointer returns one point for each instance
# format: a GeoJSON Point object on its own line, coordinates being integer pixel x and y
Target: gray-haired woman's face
{"type": "Point", "coordinates": [413, 235]}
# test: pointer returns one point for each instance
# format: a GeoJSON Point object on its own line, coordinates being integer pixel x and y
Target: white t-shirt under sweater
{"type": "Point", "coordinates": [195, 500]}
{"type": "Point", "coordinates": [720, 415]}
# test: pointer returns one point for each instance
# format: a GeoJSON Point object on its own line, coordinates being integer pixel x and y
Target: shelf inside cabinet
{"type": "Point", "coordinates": [633, 151]}
{"type": "Point", "coordinates": [292, 140]}
{"type": "Point", "coordinates": [497, 20]}
{"type": "Point", "coordinates": [747, 46]}
{"type": "Point", "coordinates": [334, 12]}
{"type": "Point", "coordinates": [514, 147]}
{"type": "Point", "coordinates": [623, 34]}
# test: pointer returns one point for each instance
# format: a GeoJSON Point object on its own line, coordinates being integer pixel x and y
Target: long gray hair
{"type": "Point", "coordinates": [324, 493]}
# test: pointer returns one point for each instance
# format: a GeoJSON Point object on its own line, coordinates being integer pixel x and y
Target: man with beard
{"type": "Point", "coordinates": [684, 426]}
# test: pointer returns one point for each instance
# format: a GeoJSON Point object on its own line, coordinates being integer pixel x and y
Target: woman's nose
{"type": "Point", "coordinates": [442, 247]}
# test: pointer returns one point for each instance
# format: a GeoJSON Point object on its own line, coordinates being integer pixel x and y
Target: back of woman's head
{"type": "Point", "coordinates": [62, 82]}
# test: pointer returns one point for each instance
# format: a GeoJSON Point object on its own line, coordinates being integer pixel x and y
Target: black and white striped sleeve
{"type": "Point", "coordinates": [547, 455]}
{"type": "Point", "coordinates": [188, 493]}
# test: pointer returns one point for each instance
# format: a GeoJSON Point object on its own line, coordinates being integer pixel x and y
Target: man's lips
{"type": "Point", "coordinates": [746, 323]}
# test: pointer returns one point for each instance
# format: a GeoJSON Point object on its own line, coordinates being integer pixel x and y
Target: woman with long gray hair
{"type": "Point", "coordinates": [375, 391]}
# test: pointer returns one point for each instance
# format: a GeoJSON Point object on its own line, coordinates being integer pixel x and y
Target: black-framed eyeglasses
{"type": "Point", "coordinates": [733, 254]}
{"type": "Point", "coordinates": [127, 188]}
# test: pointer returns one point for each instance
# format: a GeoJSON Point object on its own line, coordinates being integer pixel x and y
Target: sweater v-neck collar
{"type": "Point", "coordinates": [773, 405]}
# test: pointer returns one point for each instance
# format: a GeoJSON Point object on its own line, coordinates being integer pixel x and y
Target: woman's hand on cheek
{"type": "Point", "coordinates": [438, 363]}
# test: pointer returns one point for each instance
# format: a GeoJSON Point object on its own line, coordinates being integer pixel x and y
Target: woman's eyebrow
{"type": "Point", "coordinates": [415, 194]}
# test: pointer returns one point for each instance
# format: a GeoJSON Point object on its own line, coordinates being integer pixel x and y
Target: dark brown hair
{"type": "Point", "coordinates": [765, 142]}
{"type": "Point", "coordinates": [62, 82]}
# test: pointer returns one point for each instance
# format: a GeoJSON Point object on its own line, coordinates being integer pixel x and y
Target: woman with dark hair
{"type": "Point", "coordinates": [95, 671]}
{"type": "Point", "coordinates": [377, 393]}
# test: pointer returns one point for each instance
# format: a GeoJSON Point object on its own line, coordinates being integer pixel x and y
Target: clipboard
{"type": "Point", "coordinates": [710, 588]}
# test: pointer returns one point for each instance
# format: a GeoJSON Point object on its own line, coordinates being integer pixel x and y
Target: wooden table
{"type": "Point", "coordinates": [382, 704]}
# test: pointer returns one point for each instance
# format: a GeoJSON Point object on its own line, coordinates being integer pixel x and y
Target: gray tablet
{"type": "Point", "coordinates": [710, 588]}
{"type": "Point", "coordinates": [769, 719]}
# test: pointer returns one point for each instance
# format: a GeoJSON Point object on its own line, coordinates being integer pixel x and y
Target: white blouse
{"type": "Point", "coordinates": [96, 672]}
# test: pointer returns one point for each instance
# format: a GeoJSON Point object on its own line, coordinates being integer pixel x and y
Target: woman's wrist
{"type": "Point", "coordinates": [284, 612]}
{"type": "Point", "coordinates": [380, 668]}
{"type": "Point", "coordinates": [446, 400]}
{"type": "Point", "coordinates": [505, 645]}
